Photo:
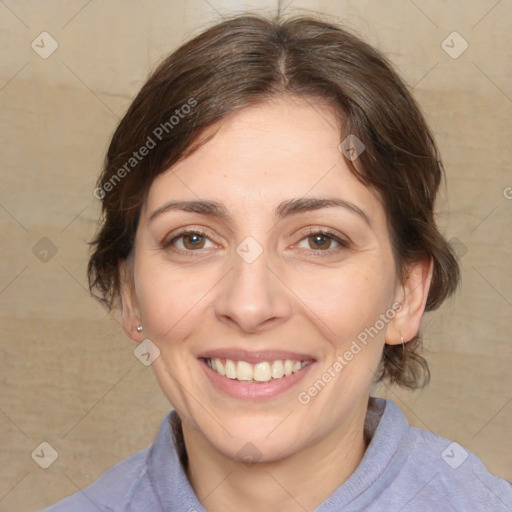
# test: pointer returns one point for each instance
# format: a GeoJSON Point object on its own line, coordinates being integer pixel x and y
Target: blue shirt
{"type": "Point", "coordinates": [403, 469]}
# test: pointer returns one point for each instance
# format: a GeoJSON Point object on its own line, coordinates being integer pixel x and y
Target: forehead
{"type": "Point", "coordinates": [284, 148]}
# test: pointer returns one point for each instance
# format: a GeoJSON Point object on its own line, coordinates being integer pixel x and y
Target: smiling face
{"type": "Point", "coordinates": [268, 279]}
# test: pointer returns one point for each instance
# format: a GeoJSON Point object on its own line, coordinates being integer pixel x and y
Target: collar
{"type": "Point", "coordinates": [385, 424]}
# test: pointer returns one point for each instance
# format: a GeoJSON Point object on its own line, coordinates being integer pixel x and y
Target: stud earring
{"type": "Point", "coordinates": [139, 329]}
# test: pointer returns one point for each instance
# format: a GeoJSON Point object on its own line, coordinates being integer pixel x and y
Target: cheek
{"type": "Point", "coordinates": [346, 300]}
{"type": "Point", "coordinates": [170, 299]}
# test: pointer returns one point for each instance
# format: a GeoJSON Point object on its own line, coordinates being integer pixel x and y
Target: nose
{"type": "Point", "coordinates": [252, 297]}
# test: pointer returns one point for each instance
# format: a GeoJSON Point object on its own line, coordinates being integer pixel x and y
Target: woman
{"type": "Point", "coordinates": [269, 234]}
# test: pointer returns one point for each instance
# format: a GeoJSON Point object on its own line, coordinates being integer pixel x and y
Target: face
{"type": "Point", "coordinates": [272, 285]}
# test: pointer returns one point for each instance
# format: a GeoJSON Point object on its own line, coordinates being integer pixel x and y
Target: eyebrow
{"type": "Point", "coordinates": [285, 209]}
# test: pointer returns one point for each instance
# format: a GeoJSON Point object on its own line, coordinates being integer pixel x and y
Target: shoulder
{"type": "Point", "coordinates": [450, 473]}
{"type": "Point", "coordinates": [113, 490]}
{"type": "Point", "coordinates": [414, 470]}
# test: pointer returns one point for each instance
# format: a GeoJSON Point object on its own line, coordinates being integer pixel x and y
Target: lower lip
{"type": "Point", "coordinates": [254, 390]}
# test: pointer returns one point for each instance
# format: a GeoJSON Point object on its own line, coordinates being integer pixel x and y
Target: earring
{"type": "Point", "coordinates": [403, 345]}
{"type": "Point", "coordinates": [139, 329]}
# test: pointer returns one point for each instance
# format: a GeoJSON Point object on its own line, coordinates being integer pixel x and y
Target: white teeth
{"type": "Point", "coordinates": [260, 372]}
{"type": "Point", "coordinates": [243, 371]}
{"type": "Point", "coordinates": [219, 366]}
{"type": "Point", "coordinates": [277, 369]}
{"type": "Point", "coordinates": [230, 369]}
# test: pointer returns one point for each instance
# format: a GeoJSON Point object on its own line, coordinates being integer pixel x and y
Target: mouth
{"type": "Point", "coordinates": [243, 374]}
{"type": "Point", "coordinates": [263, 371]}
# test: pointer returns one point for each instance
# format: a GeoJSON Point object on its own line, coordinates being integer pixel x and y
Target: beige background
{"type": "Point", "coordinates": [68, 374]}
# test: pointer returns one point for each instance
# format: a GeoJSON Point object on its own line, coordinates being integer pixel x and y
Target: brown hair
{"type": "Point", "coordinates": [248, 59]}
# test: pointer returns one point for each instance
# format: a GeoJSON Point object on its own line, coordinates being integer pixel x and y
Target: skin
{"type": "Point", "coordinates": [298, 295]}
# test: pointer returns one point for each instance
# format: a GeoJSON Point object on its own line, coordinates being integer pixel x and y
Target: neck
{"type": "Point", "coordinates": [299, 482]}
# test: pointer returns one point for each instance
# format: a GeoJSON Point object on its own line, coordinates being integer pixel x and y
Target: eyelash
{"type": "Point", "coordinates": [343, 244]}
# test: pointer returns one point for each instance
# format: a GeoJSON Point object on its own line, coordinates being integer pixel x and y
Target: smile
{"type": "Point", "coordinates": [263, 371]}
{"type": "Point", "coordinates": [255, 375]}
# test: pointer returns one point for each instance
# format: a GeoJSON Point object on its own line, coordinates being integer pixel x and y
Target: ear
{"type": "Point", "coordinates": [412, 293]}
{"type": "Point", "coordinates": [130, 311]}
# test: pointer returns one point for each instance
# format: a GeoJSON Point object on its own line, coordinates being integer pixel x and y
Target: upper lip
{"type": "Point", "coordinates": [254, 357]}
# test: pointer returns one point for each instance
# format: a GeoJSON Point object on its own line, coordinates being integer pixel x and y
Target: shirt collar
{"type": "Point", "coordinates": [167, 475]}
{"type": "Point", "coordinates": [385, 424]}
{"type": "Point", "coordinates": [381, 461]}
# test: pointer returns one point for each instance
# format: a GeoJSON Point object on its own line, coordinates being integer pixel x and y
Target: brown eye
{"type": "Point", "coordinates": [323, 241]}
{"type": "Point", "coordinates": [193, 241]}
{"type": "Point", "coordinates": [188, 241]}
{"type": "Point", "coordinates": [320, 242]}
